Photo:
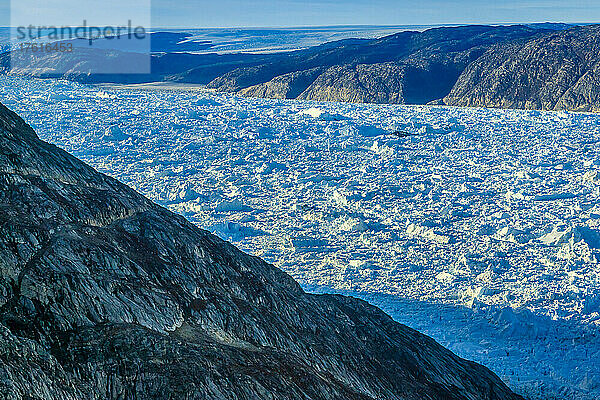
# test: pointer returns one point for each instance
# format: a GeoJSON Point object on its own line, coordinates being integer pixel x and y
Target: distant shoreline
{"type": "Point", "coordinates": [170, 86]}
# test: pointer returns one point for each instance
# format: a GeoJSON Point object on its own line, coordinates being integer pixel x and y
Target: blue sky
{"type": "Point", "coordinates": [237, 13]}
{"type": "Point", "coordinates": [370, 12]}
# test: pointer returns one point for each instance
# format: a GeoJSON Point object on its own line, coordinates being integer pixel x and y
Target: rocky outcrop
{"type": "Point", "coordinates": [287, 86]}
{"type": "Point", "coordinates": [388, 83]}
{"type": "Point", "coordinates": [105, 295]}
{"type": "Point", "coordinates": [376, 83]}
{"type": "Point", "coordinates": [557, 71]}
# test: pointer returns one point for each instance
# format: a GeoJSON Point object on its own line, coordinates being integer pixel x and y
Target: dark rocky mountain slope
{"type": "Point", "coordinates": [557, 71]}
{"type": "Point", "coordinates": [409, 67]}
{"type": "Point", "coordinates": [105, 295]}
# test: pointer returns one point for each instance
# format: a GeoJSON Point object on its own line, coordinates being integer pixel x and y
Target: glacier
{"type": "Point", "coordinates": [481, 228]}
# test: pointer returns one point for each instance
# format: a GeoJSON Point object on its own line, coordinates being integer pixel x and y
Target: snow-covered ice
{"type": "Point", "coordinates": [482, 230]}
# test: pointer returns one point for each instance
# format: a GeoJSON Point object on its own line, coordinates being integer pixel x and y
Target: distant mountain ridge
{"type": "Point", "coordinates": [546, 67]}
{"type": "Point", "coordinates": [539, 66]}
{"type": "Point", "coordinates": [408, 67]}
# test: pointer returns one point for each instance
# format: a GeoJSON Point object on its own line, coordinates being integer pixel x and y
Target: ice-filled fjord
{"type": "Point", "coordinates": [481, 230]}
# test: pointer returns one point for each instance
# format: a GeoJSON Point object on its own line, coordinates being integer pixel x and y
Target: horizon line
{"type": "Point", "coordinates": [450, 24]}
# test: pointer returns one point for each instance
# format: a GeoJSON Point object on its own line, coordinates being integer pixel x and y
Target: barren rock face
{"type": "Point", "coordinates": [558, 71]}
{"type": "Point", "coordinates": [104, 295]}
{"type": "Point", "coordinates": [287, 86]}
{"type": "Point", "coordinates": [378, 83]}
